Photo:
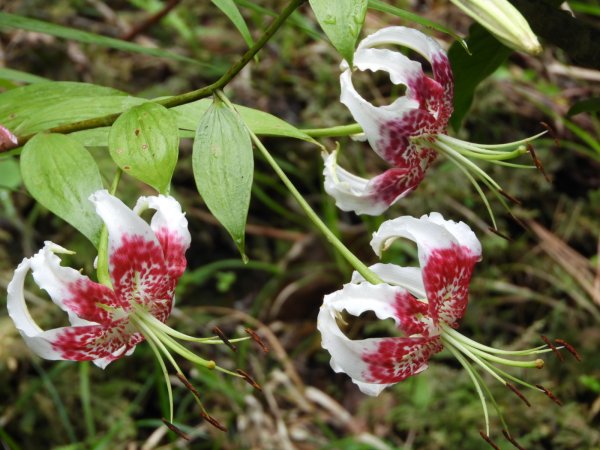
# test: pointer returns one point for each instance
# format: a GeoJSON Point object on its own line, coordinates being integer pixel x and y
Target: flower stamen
{"type": "Point", "coordinates": [518, 394]}
{"type": "Point", "coordinates": [569, 348]}
{"type": "Point", "coordinates": [553, 348]}
{"type": "Point", "coordinates": [549, 393]}
{"type": "Point", "coordinates": [487, 439]}
{"type": "Point", "coordinates": [175, 430]}
{"type": "Point", "coordinates": [512, 440]}
{"type": "Point", "coordinates": [224, 338]}
{"type": "Point", "coordinates": [249, 379]}
{"type": "Point", "coordinates": [256, 338]}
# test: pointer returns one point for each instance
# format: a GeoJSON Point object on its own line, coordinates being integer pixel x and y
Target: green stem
{"type": "Point", "coordinates": [102, 270]}
{"type": "Point", "coordinates": [86, 404]}
{"type": "Point", "coordinates": [312, 215]}
{"type": "Point", "coordinates": [342, 130]}
{"type": "Point", "coordinates": [187, 97]}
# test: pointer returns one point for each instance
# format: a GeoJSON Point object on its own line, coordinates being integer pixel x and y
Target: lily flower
{"type": "Point", "coordinates": [410, 132]}
{"type": "Point", "coordinates": [426, 303]}
{"type": "Point", "coordinates": [145, 262]}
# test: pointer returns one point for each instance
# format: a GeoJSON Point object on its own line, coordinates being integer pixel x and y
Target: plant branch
{"type": "Point", "coordinates": [150, 21]}
{"type": "Point", "coordinates": [187, 97]}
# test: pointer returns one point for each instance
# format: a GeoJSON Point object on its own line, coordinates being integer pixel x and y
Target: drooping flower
{"type": "Point", "coordinates": [426, 303]}
{"type": "Point", "coordinates": [410, 132]}
{"type": "Point", "coordinates": [145, 262]}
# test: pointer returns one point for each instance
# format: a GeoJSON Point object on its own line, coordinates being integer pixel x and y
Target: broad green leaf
{"type": "Point", "coordinates": [10, 177]}
{"type": "Point", "coordinates": [17, 75]}
{"type": "Point", "coordinates": [144, 142]}
{"type": "Point", "coordinates": [223, 166]}
{"type": "Point", "coordinates": [61, 175]}
{"type": "Point", "coordinates": [26, 23]}
{"type": "Point", "coordinates": [487, 54]}
{"type": "Point", "coordinates": [587, 105]}
{"type": "Point", "coordinates": [378, 5]}
{"type": "Point", "coordinates": [341, 21]}
{"type": "Point", "coordinates": [40, 106]}
{"type": "Point", "coordinates": [259, 122]}
{"type": "Point", "coordinates": [231, 10]}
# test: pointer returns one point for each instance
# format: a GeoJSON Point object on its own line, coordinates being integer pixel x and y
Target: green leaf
{"type": "Point", "coordinates": [223, 166]}
{"type": "Point", "coordinates": [26, 23]}
{"type": "Point", "coordinates": [10, 177]}
{"type": "Point", "coordinates": [587, 105]}
{"type": "Point", "coordinates": [261, 123]}
{"type": "Point", "coordinates": [17, 75]}
{"type": "Point", "coordinates": [61, 175]}
{"type": "Point", "coordinates": [341, 21]}
{"type": "Point", "coordinates": [144, 142]}
{"type": "Point", "coordinates": [378, 5]}
{"type": "Point", "coordinates": [40, 106]}
{"type": "Point", "coordinates": [487, 54]}
{"type": "Point", "coordinates": [231, 10]}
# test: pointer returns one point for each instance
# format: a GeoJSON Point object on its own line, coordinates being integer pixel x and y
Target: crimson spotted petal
{"type": "Point", "coordinates": [424, 110]}
{"type": "Point", "coordinates": [144, 265]}
{"type": "Point", "coordinates": [417, 299]}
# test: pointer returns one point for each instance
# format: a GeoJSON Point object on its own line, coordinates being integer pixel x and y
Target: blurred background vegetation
{"type": "Point", "coordinates": [545, 280]}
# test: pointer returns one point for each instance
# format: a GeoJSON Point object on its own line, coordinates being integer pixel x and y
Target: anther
{"type": "Point", "coordinates": [498, 233]}
{"type": "Point", "coordinates": [549, 393]}
{"type": "Point", "coordinates": [175, 430]}
{"type": "Point", "coordinates": [569, 348]}
{"type": "Point", "coordinates": [553, 348]}
{"type": "Point", "coordinates": [551, 133]}
{"type": "Point", "coordinates": [487, 439]}
{"type": "Point", "coordinates": [222, 336]}
{"type": "Point", "coordinates": [256, 338]}
{"type": "Point", "coordinates": [510, 197]}
{"type": "Point", "coordinates": [249, 379]}
{"type": "Point", "coordinates": [537, 162]}
{"type": "Point", "coordinates": [188, 385]}
{"type": "Point", "coordinates": [214, 422]}
{"type": "Point", "coordinates": [518, 393]}
{"type": "Point", "coordinates": [512, 440]}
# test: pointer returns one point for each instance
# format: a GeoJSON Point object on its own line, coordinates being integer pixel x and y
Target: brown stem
{"type": "Point", "coordinates": [150, 21]}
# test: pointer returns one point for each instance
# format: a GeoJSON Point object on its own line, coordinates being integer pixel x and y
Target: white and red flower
{"type": "Point", "coordinates": [145, 262]}
{"type": "Point", "coordinates": [410, 132]}
{"type": "Point", "coordinates": [419, 300]}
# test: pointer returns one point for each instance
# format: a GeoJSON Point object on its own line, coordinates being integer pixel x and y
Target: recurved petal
{"type": "Point", "coordinates": [419, 42]}
{"type": "Point", "coordinates": [137, 263]}
{"type": "Point", "coordinates": [371, 197]}
{"type": "Point", "coordinates": [170, 227]}
{"type": "Point", "coordinates": [447, 253]}
{"type": "Point", "coordinates": [409, 278]}
{"type": "Point", "coordinates": [351, 193]}
{"type": "Point", "coordinates": [84, 300]}
{"type": "Point", "coordinates": [376, 363]}
{"type": "Point", "coordinates": [85, 342]}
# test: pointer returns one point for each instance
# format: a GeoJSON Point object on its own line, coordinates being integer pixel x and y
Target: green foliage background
{"type": "Point", "coordinates": [537, 283]}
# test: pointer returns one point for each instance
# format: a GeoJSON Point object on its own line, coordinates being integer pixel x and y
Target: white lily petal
{"type": "Point", "coordinates": [367, 361]}
{"type": "Point", "coordinates": [409, 278]}
{"type": "Point", "coordinates": [120, 221]}
{"type": "Point", "coordinates": [351, 193]}
{"type": "Point", "coordinates": [35, 338]}
{"type": "Point", "coordinates": [427, 234]}
{"type": "Point", "coordinates": [407, 37]}
{"type": "Point", "coordinates": [170, 227]}
{"type": "Point", "coordinates": [64, 286]}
